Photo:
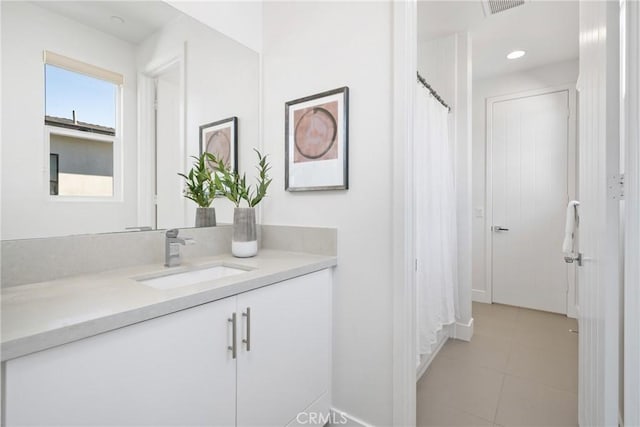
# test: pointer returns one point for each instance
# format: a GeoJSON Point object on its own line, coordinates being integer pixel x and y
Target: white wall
{"type": "Point", "coordinates": [437, 64]}
{"type": "Point", "coordinates": [463, 117]}
{"type": "Point", "coordinates": [27, 210]}
{"type": "Point", "coordinates": [222, 80]}
{"type": "Point", "coordinates": [310, 47]}
{"type": "Point", "coordinates": [536, 78]}
{"type": "Point", "coordinates": [446, 65]}
{"type": "Point", "coordinates": [240, 20]}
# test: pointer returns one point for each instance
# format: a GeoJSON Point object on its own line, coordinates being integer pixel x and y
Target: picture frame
{"type": "Point", "coordinates": [221, 138]}
{"type": "Point", "coordinates": [317, 142]}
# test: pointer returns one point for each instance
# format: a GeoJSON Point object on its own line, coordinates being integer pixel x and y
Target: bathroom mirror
{"type": "Point", "coordinates": [155, 74]}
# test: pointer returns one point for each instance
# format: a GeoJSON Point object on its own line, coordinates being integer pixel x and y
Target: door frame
{"type": "Point", "coordinates": [405, 57]}
{"type": "Point", "coordinates": [572, 306]}
{"type": "Point", "coordinates": [631, 141]}
{"type": "Point", "coordinates": [146, 131]}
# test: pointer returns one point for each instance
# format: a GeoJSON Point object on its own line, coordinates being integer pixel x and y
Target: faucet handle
{"type": "Point", "coordinates": [172, 233]}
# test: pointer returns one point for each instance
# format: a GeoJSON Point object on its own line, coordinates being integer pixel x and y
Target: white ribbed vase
{"type": "Point", "coordinates": [244, 243]}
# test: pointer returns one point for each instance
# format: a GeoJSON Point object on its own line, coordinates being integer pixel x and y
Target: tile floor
{"type": "Point", "coordinates": [520, 369]}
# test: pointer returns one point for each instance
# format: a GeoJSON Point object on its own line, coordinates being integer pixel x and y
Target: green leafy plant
{"type": "Point", "coordinates": [253, 198]}
{"type": "Point", "coordinates": [199, 184]}
{"type": "Point", "coordinates": [234, 187]}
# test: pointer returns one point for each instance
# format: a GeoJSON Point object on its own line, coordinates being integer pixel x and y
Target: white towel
{"type": "Point", "coordinates": [570, 227]}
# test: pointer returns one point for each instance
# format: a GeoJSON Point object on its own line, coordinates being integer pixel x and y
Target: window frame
{"type": "Point", "coordinates": [115, 140]}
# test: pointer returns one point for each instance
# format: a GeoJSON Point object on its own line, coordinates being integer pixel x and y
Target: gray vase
{"type": "Point", "coordinates": [205, 217]}
{"type": "Point", "coordinates": [244, 243]}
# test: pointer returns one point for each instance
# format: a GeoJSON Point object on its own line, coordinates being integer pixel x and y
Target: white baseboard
{"type": "Point", "coordinates": [463, 331]}
{"type": "Point", "coordinates": [480, 296]}
{"type": "Point", "coordinates": [443, 336]}
{"type": "Point", "coordinates": [342, 419]}
{"type": "Point", "coordinates": [315, 414]}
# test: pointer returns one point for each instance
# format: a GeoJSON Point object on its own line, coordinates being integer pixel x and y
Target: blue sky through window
{"type": "Point", "coordinates": [94, 100]}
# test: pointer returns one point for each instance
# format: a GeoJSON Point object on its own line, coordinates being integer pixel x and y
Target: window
{"type": "Point", "coordinates": [81, 119]}
{"type": "Point", "coordinates": [53, 174]}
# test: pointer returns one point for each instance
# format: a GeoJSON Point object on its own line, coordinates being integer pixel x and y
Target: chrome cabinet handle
{"type": "Point", "coordinates": [232, 347]}
{"type": "Point", "coordinates": [247, 341]}
{"type": "Point", "coordinates": [499, 228]}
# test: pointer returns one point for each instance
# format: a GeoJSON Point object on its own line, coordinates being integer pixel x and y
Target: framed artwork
{"type": "Point", "coordinates": [317, 142]}
{"type": "Point", "coordinates": [221, 139]}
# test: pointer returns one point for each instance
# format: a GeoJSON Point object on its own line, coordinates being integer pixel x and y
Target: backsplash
{"type": "Point", "coordinates": [38, 260]}
{"type": "Point", "coordinates": [311, 240]}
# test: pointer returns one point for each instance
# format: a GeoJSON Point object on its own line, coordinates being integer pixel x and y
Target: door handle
{"type": "Point", "coordinates": [247, 341]}
{"type": "Point", "coordinates": [499, 228]}
{"type": "Point", "coordinates": [569, 259]}
{"type": "Point", "coordinates": [232, 347]}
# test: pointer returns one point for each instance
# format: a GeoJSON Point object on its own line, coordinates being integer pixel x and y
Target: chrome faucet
{"type": "Point", "coordinates": [172, 247]}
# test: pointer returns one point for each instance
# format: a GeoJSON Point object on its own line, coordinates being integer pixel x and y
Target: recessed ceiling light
{"type": "Point", "coordinates": [516, 54]}
{"type": "Point", "coordinates": [117, 19]}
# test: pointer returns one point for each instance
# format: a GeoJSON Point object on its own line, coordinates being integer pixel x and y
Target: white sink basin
{"type": "Point", "coordinates": [190, 277]}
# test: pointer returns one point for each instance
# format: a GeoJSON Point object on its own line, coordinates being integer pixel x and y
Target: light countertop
{"type": "Point", "coordinates": [42, 315]}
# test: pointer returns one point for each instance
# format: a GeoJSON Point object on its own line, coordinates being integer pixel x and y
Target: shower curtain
{"type": "Point", "coordinates": [435, 221]}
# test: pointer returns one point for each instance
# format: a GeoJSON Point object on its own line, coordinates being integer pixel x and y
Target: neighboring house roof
{"type": "Point", "coordinates": [82, 126]}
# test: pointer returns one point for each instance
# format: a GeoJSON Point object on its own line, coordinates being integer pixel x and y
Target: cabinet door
{"type": "Point", "coordinates": [287, 367]}
{"type": "Point", "coordinates": [172, 370]}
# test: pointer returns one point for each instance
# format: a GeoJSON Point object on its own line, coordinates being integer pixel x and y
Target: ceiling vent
{"type": "Point", "coordinates": [491, 7]}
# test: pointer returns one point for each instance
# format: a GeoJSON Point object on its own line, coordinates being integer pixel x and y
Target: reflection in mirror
{"type": "Point", "coordinates": [102, 104]}
{"type": "Point", "coordinates": [80, 148]}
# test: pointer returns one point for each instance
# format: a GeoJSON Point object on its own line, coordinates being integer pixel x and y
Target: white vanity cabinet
{"type": "Point", "coordinates": [179, 369]}
{"type": "Point", "coordinates": [287, 368]}
{"type": "Point", "coordinates": [172, 370]}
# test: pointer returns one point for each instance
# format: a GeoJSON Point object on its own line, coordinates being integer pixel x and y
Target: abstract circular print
{"type": "Point", "coordinates": [218, 142]}
{"type": "Point", "coordinates": [315, 133]}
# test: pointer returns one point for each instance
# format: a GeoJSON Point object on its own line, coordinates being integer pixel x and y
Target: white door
{"type": "Point", "coordinates": [286, 367]}
{"type": "Point", "coordinates": [173, 370]}
{"type": "Point", "coordinates": [169, 158]}
{"type": "Point", "coordinates": [599, 230]}
{"type": "Point", "coordinates": [529, 154]}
